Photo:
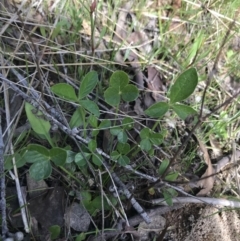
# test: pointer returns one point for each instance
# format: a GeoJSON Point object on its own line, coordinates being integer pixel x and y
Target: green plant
{"type": "Point", "coordinates": [67, 92]}
{"type": "Point", "coordinates": [168, 193]}
{"type": "Point", "coordinates": [40, 158]}
{"type": "Point", "coordinates": [81, 237]}
{"type": "Point", "coordinates": [120, 89]}
{"type": "Point", "coordinates": [149, 138]}
{"type": "Point", "coordinates": [68, 49]}
{"type": "Point", "coordinates": [183, 87]}
{"type": "Point", "coordinates": [54, 231]}
{"type": "Point", "coordinates": [38, 122]}
{"type": "Point", "coordinates": [94, 204]}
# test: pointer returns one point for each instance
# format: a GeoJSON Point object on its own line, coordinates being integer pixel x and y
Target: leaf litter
{"type": "Point", "coordinates": [207, 179]}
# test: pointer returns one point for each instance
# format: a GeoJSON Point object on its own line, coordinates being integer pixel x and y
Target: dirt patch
{"type": "Point", "coordinates": [200, 223]}
{"type": "Point", "coordinates": [182, 221]}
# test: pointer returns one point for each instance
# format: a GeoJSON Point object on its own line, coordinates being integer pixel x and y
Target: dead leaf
{"type": "Point", "coordinates": [179, 27]}
{"type": "Point", "coordinates": [206, 183]}
{"type": "Point", "coordinates": [148, 100]}
{"type": "Point", "coordinates": [36, 188]}
{"type": "Point", "coordinates": [120, 33]}
{"type": "Point", "coordinates": [176, 4]}
{"type": "Point", "coordinates": [138, 43]}
{"type": "Point", "coordinates": [48, 210]}
{"type": "Point", "coordinates": [140, 40]}
{"type": "Point", "coordinates": [139, 79]}
{"type": "Point", "coordinates": [137, 108]}
{"type": "Point", "coordinates": [216, 148]}
{"type": "Point", "coordinates": [77, 217]}
{"type": "Point", "coordinates": [154, 83]}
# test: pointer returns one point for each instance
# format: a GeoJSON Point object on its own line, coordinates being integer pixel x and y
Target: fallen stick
{"type": "Point", "coordinates": [202, 200]}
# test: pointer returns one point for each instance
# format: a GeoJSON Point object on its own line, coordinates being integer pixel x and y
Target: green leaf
{"type": "Point", "coordinates": [97, 159]}
{"type": "Point", "coordinates": [156, 138]}
{"type": "Point", "coordinates": [144, 133]}
{"type": "Point", "coordinates": [56, 31]}
{"type": "Point", "coordinates": [183, 111]}
{"type": "Point", "coordinates": [168, 194]}
{"type": "Point", "coordinates": [123, 160]}
{"type": "Point", "coordinates": [39, 148]}
{"type": "Point", "coordinates": [40, 170]}
{"type": "Point", "coordinates": [77, 118]}
{"type": "Point", "coordinates": [93, 121]}
{"type": "Point", "coordinates": [58, 156]}
{"type": "Point", "coordinates": [119, 79]}
{"type": "Point", "coordinates": [163, 167]}
{"type": "Point", "coordinates": [95, 132]}
{"type": "Point", "coordinates": [54, 231]}
{"type": "Point", "coordinates": [70, 156]}
{"type": "Point", "coordinates": [115, 131]}
{"type": "Point", "coordinates": [123, 148]}
{"type": "Point", "coordinates": [81, 237]}
{"type": "Point", "coordinates": [23, 136]}
{"type": "Point", "coordinates": [81, 160]}
{"type": "Point", "coordinates": [127, 123]}
{"type": "Point", "coordinates": [112, 96]}
{"type": "Point", "coordinates": [171, 176]}
{"type": "Point", "coordinates": [173, 192]}
{"type": "Point", "coordinates": [105, 124]}
{"type": "Point", "coordinates": [122, 137]}
{"type": "Point", "coordinates": [115, 155]}
{"type": "Point", "coordinates": [157, 110]}
{"type": "Point", "coordinates": [129, 93]}
{"type": "Point", "coordinates": [37, 121]}
{"type": "Point", "coordinates": [195, 46]}
{"type": "Point", "coordinates": [90, 208]}
{"type": "Point", "coordinates": [184, 86]}
{"type": "Point", "coordinates": [97, 203]}
{"type": "Point", "coordinates": [85, 195]}
{"type": "Point", "coordinates": [92, 145]}
{"type": "Point", "coordinates": [90, 106]}
{"type": "Point", "coordinates": [112, 200]}
{"type": "Point", "coordinates": [145, 145]}
{"type": "Point", "coordinates": [43, 31]}
{"type": "Point", "coordinates": [88, 83]}
{"type": "Point", "coordinates": [8, 165]}
{"type": "Point", "coordinates": [119, 87]}
{"type": "Point", "coordinates": [64, 91]}
{"type": "Point", "coordinates": [34, 156]}
{"type": "Point", "coordinates": [167, 197]}
{"type": "Point", "coordinates": [59, 28]}
{"type": "Point", "coordinates": [151, 153]}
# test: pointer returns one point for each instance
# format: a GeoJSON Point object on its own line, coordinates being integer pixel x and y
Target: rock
{"type": "Point", "coordinates": [77, 217]}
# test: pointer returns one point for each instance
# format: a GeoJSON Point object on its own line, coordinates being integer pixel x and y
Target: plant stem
{"type": "Point", "coordinates": [3, 187]}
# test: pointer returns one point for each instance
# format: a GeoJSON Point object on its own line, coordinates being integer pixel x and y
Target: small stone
{"type": "Point", "coordinates": [19, 236]}
{"type": "Point", "coordinates": [77, 217]}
